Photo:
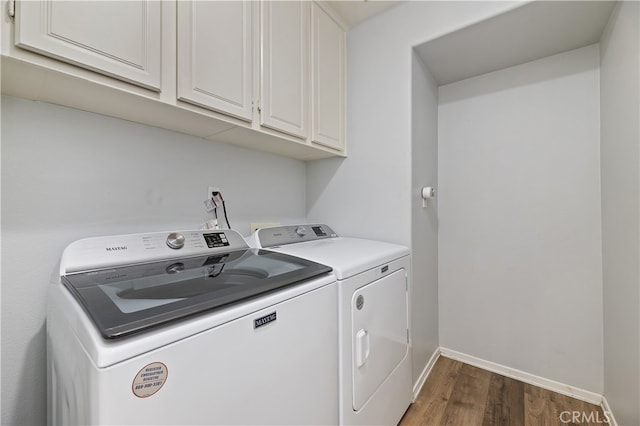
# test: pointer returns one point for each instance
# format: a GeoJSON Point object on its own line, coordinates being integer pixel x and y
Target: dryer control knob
{"type": "Point", "coordinates": [301, 230]}
{"type": "Point", "coordinates": [175, 240]}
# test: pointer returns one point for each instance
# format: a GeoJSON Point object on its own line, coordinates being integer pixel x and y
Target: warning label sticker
{"type": "Point", "coordinates": [149, 380]}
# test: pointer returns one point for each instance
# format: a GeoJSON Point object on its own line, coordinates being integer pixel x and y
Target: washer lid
{"type": "Point", "coordinates": [129, 299]}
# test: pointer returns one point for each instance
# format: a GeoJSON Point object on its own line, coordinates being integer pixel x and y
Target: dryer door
{"type": "Point", "coordinates": [379, 319]}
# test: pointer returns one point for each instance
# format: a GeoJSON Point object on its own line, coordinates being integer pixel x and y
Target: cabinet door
{"type": "Point", "coordinates": [284, 74]}
{"type": "Point", "coordinates": [117, 38]}
{"type": "Point", "coordinates": [328, 77]}
{"type": "Point", "coordinates": [215, 55]}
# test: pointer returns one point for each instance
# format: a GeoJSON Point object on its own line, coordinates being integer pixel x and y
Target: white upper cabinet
{"type": "Point", "coordinates": [263, 74]}
{"type": "Point", "coordinates": [328, 77]}
{"type": "Point", "coordinates": [215, 55]}
{"type": "Point", "coordinates": [284, 74]}
{"type": "Point", "coordinates": [117, 38]}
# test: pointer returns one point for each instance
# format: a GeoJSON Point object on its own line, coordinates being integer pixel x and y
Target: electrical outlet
{"type": "Point", "coordinates": [258, 225]}
{"type": "Point", "coordinates": [211, 190]}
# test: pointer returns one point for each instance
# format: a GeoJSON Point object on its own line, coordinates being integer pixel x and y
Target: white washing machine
{"type": "Point", "coordinates": [190, 328]}
{"type": "Point", "coordinates": [374, 343]}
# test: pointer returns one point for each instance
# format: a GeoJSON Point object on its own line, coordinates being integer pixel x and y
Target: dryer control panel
{"type": "Point", "coordinates": [290, 234]}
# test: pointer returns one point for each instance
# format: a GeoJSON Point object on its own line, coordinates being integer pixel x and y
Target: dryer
{"type": "Point", "coordinates": [373, 304]}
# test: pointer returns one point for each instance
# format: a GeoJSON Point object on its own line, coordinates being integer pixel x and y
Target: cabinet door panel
{"type": "Point", "coordinates": [214, 55]}
{"type": "Point", "coordinates": [328, 69]}
{"type": "Point", "coordinates": [118, 38]}
{"type": "Point", "coordinates": [284, 74]}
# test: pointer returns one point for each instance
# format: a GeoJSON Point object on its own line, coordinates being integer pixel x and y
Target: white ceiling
{"type": "Point", "coordinates": [353, 12]}
{"type": "Point", "coordinates": [524, 34]}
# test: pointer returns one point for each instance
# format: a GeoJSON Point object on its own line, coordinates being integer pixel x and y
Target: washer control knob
{"type": "Point", "coordinates": [301, 230]}
{"type": "Point", "coordinates": [175, 240]}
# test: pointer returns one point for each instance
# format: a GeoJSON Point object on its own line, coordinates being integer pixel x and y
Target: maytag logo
{"type": "Point", "coordinates": [116, 248]}
{"type": "Point", "coordinates": [262, 321]}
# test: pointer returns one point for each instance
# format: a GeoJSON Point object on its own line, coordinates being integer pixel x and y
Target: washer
{"type": "Point", "coordinates": [190, 328]}
{"type": "Point", "coordinates": [374, 344]}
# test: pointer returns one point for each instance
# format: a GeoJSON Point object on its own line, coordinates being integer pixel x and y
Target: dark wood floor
{"type": "Point", "coordinates": [460, 394]}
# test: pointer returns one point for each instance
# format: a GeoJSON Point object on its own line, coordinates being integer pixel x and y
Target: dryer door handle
{"type": "Point", "coordinates": [363, 347]}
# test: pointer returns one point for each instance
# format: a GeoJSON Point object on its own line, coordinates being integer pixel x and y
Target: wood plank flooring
{"type": "Point", "coordinates": [460, 394]}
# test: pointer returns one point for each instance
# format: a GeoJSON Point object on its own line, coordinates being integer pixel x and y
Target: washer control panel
{"type": "Point", "coordinates": [106, 252]}
{"type": "Point", "coordinates": [290, 234]}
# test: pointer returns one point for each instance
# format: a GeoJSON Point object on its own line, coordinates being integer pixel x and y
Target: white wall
{"type": "Point", "coordinates": [424, 220]}
{"type": "Point", "coordinates": [620, 152]}
{"type": "Point", "coordinates": [68, 174]}
{"type": "Point", "coordinates": [370, 193]}
{"type": "Point", "coordinates": [520, 278]}
{"type": "Point", "coordinates": [372, 187]}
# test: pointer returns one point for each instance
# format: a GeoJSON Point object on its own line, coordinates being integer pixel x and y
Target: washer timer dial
{"type": "Point", "coordinates": [175, 240]}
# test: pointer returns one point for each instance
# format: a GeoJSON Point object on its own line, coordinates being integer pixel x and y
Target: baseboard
{"type": "Point", "coordinates": [581, 394]}
{"type": "Point", "coordinates": [417, 387]}
{"type": "Point", "coordinates": [609, 413]}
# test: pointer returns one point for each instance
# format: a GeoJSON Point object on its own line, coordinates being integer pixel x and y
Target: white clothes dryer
{"type": "Point", "coordinates": [373, 304]}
